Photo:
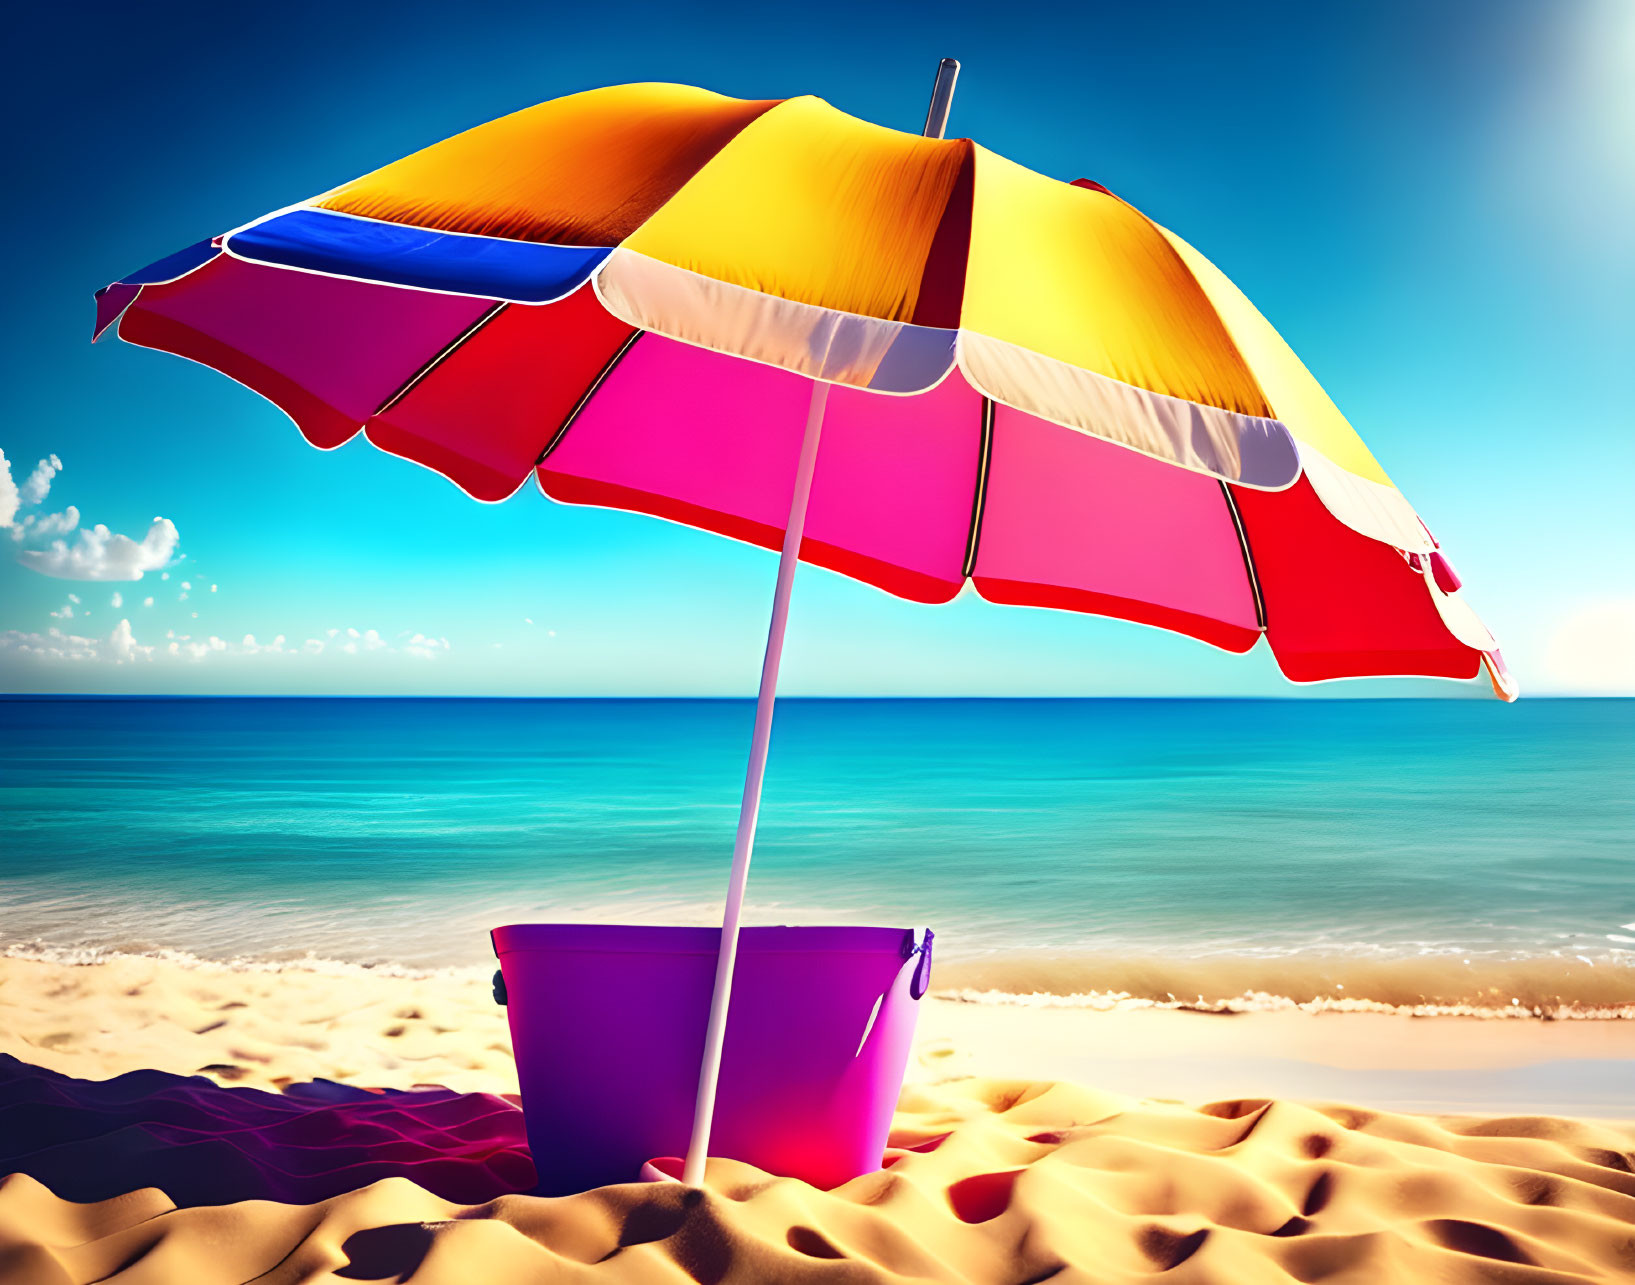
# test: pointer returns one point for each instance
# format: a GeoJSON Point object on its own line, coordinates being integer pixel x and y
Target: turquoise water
{"type": "Point", "coordinates": [1171, 832]}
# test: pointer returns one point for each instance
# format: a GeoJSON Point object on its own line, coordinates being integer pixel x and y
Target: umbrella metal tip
{"type": "Point", "coordinates": [942, 97]}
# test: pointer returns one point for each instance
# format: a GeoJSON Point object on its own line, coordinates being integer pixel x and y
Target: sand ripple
{"type": "Point", "coordinates": [988, 1181]}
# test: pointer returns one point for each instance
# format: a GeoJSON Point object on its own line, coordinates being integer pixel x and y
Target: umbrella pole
{"type": "Point", "coordinates": [749, 810]}
{"type": "Point", "coordinates": [698, 1148]}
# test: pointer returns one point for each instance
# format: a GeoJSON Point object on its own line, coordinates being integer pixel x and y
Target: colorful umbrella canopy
{"type": "Point", "coordinates": [1037, 389]}
{"type": "Point", "coordinates": [655, 298]}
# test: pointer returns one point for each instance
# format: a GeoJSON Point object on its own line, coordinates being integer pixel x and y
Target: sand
{"type": "Point", "coordinates": [1003, 1169]}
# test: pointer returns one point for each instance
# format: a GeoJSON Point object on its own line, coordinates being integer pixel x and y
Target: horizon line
{"type": "Point", "coordinates": [750, 697]}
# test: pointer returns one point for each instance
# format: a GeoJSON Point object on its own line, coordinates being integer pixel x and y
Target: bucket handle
{"type": "Point", "coordinates": [917, 941]}
{"type": "Point", "coordinates": [501, 996]}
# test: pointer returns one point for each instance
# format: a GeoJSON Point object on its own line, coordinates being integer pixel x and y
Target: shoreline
{"type": "Point", "coordinates": [268, 1024]}
{"type": "Point", "coordinates": [1440, 985]}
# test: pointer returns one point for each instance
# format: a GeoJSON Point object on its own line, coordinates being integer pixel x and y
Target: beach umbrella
{"type": "Point", "coordinates": [653, 297]}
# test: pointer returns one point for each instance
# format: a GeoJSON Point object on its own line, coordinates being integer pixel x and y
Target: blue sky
{"type": "Point", "coordinates": [1432, 201]}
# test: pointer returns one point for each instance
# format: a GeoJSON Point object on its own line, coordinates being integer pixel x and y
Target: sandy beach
{"type": "Point", "coordinates": [967, 663]}
{"type": "Point", "coordinates": [1033, 1143]}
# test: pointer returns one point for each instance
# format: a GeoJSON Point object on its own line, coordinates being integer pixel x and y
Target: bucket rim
{"type": "Point", "coordinates": [667, 939]}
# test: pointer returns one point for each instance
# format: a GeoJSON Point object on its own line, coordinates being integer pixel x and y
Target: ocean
{"type": "Point", "coordinates": [1440, 855]}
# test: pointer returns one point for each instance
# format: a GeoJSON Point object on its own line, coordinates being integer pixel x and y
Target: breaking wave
{"type": "Point", "coordinates": [1426, 985]}
{"type": "Point", "coordinates": [1549, 987]}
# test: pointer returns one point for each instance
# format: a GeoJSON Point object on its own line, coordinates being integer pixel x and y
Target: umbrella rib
{"type": "Point", "coordinates": [440, 357]}
{"type": "Point", "coordinates": [584, 400]}
{"type": "Point", "coordinates": [1248, 557]}
{"type": "Point", "coordinates": [979, 496]}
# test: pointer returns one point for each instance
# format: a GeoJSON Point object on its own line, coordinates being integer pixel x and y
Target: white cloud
{"type": "Point", "coordinates": [35, 527]}
{"type": "Point", "coordinates": [147, 602]}
{"type": "Point", "coordinates": [196, 650]}
{"type": "Point", "coordinates": [187, 585]}
{"type": "Point", "coordinates": [32, 491]}
{"type": "Point", "coordinates": [64, 612]}
{"type": "Point", "coordinates": [1594, 649]}
{"type": "Point", "coordinates": [367, 640]}
{"type": "Point", "coordinates": [252, 648]}
{"type": "Point", "coordinates": [117, 601]}
{"type": "Point", "coordinates": [38, 483]}
{"type": "Point", "coordinates": [122, 646]}
{"type": "Point", "coordinates": [100, 554]}
{"type": "Point", "coordinates": [118, 648]}
{"type": "Point", "coordinates": [74, 598]}
{"type": "Point", "coordinates": [10, 501]}
{"type": "Point", "coordinates": [423, 647]}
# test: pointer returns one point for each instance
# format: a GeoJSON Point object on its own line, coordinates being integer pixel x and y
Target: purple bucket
{"type": "Point", "coordinates": [608, 1027]}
